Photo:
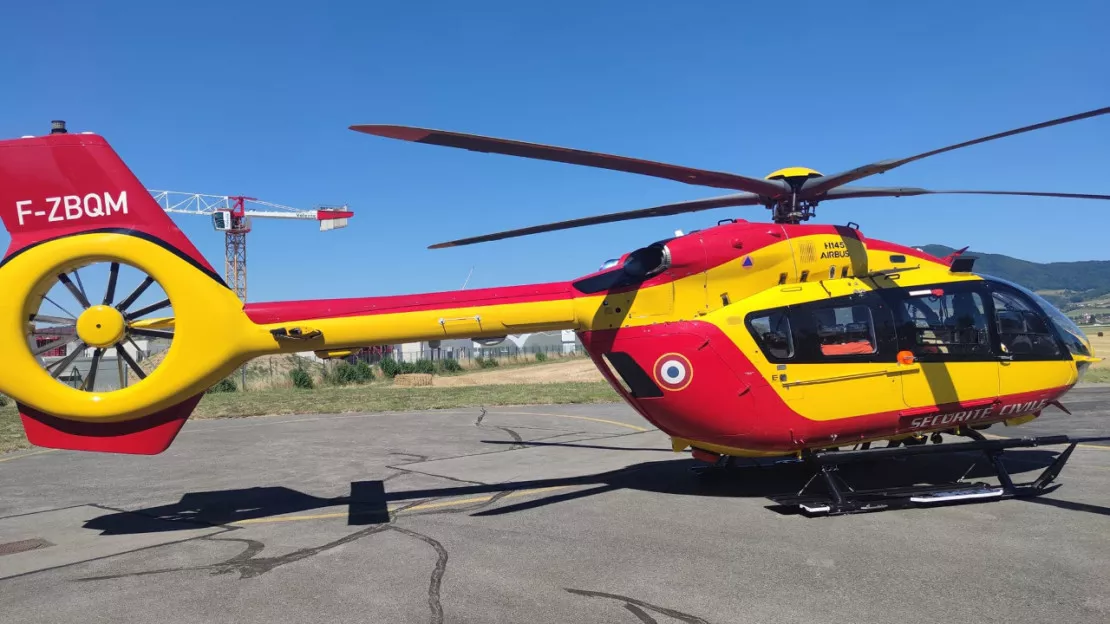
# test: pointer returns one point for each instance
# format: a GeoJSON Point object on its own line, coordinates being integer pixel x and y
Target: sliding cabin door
{"type": "Point", "coordinates": [947, 329]}
{"type": "Point", "coordinates": [833, 357]}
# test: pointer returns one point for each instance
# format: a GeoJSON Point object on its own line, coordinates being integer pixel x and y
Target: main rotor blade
{"type": "Point", "coordinates": [816, 186]}
{"type": "Point", "coordinates": [678, 173]}
{"type": "Point", "coordinates": [737, 199]}
{"type": "Point", "coordinates": [849, 192]}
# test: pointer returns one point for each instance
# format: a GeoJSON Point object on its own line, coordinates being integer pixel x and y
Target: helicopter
{"type": "Point", "coordinates": [756, 339]}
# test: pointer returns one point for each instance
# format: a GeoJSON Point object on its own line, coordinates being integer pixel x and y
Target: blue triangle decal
{"type": "Point", "coordinates": [747, 261]}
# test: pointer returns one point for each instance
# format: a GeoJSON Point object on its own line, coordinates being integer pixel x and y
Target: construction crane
{"type": "Point", "coordinates": [232, 214]}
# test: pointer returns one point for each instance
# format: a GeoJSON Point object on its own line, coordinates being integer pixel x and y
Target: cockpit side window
{"type": "Point", "coordinates": [772, 332]}
{"type": "Point", "coordinates": [941, 323]}
{"type": "Point", "coordinates": [1022, 330]}
{"type": "Point", "coordinates": [1074, 339]}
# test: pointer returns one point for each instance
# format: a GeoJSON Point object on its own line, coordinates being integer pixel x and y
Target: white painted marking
{"type": "Point", "coordinates": [72, 207]}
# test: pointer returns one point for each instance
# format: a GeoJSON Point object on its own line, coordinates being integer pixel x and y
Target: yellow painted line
{"type": "Point", "coordinates": [289, 518]}
{"type": "Point", "coordinates": [597, 420]}
{"type": "Point", "coordinates": [422, 507]}
{"type": "Point", "coordinates": [4, 459]}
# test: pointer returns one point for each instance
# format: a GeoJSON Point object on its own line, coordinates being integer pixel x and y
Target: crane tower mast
{"type": "Point", "coordinates": [232, 214]}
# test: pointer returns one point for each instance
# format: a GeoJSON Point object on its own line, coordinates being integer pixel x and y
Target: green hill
{"type": "Point", "coordinates": [1060, 282]}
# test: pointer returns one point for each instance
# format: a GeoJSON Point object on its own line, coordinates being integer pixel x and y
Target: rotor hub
{"type": "Point", "coordinates": [101, 326]}
{"type": "Point", "coordinates": [790, 173]}
{"type": "Point", "coordinates": [791, 210]}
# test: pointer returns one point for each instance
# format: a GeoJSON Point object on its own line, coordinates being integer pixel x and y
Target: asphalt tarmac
{"type": "Point", "coordinates": [538, 514]}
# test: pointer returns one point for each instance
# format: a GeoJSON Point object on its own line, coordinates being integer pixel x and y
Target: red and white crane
{"type": "Point", "coordinates": [232, 214]}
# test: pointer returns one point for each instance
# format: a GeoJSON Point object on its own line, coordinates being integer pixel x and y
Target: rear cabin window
{"type": "Point", "coordinates": [946, 323]}
{"type": "Point", "coordinates": [1021, 330]}
{"type": "Point", "coordinates": [772, 332]}
{"type": "Point", "coordinates": [845, 330]}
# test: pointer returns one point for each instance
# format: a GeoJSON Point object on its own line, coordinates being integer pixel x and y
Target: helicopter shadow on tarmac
{"type": "Point", "coordinates": [369, 502]}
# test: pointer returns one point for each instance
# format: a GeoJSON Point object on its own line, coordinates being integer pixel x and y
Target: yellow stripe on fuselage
{"type": "Point", "coordinates": [831, 391]}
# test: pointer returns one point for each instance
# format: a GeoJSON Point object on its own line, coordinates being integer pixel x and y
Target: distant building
{"type": "Point", "coordinates": [463, 348]}
{"type": "Point", "coordinates": [108, 370]}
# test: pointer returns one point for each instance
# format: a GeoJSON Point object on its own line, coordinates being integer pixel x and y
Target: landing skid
{"type": "Point", "coordinates": [841, 498]}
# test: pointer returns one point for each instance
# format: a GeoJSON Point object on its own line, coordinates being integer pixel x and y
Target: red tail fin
{"type": "Point", "coordinates": [64, 184]}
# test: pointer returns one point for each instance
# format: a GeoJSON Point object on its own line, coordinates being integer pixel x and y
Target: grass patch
{"type": "Point", "coordinates": [1097, 375]}
{"type": "Point", "coordinates": [364, 398]}
{"type": "Point", "coordinates": [382, 398]}
{"type": "Point", "coordinates": [11, 430]}
{"type": "Point", "coordinates": [519, 360]}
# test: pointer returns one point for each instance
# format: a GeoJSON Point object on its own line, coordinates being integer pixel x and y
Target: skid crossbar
{"type": "Point", "coordinates": [840, 498]}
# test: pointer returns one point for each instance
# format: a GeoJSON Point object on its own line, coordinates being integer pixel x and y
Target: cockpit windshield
{"type": "Point", "coordinates": [1074, 337]}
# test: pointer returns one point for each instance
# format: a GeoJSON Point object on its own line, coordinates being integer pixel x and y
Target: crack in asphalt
{"type": "Point", "coordinates": [404, 471]}
{"type": "Point", "coordinates": [640, 614]}
{"type": "Point", "coordinates": [637, 607]}
{"type": "Point", "coordinates": [419, 457]}
{"type": "Point", "coordinates": [42, 511]}
{"type": "Point", "coordinates": [247, 563]}
{"type": "Point", "coordinates": [250, 563]}
{"type": "Point", "coordinates": [436, 581]}
{"type": "Point", "coordinates": [518, 442]}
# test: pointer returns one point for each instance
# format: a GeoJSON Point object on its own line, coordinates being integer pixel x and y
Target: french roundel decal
{"type": "Point", "coordinates": [673, 371]}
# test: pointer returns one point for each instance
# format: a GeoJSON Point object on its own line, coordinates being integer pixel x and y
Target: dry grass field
{"type": "Point", "coordinates": [1100, 372]}
{"type": "Point", "coordinates": [571, 370]}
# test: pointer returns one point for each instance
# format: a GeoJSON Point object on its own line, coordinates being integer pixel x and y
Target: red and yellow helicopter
{"type": "Point", "coordinates": [745, 339]}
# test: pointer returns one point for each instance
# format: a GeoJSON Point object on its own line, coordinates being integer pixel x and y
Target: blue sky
{"type": "Point", "coordinates": [255, 98]}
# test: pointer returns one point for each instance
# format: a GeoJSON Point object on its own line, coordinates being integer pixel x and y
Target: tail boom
{"type": "Point", "coordinates": [69, 201]}
{"type": "Point", "coordinates": [374, 321]}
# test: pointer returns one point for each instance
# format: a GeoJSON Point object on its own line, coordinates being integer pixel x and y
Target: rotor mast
{"type": "Point", "coordinates": [790, 209]}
